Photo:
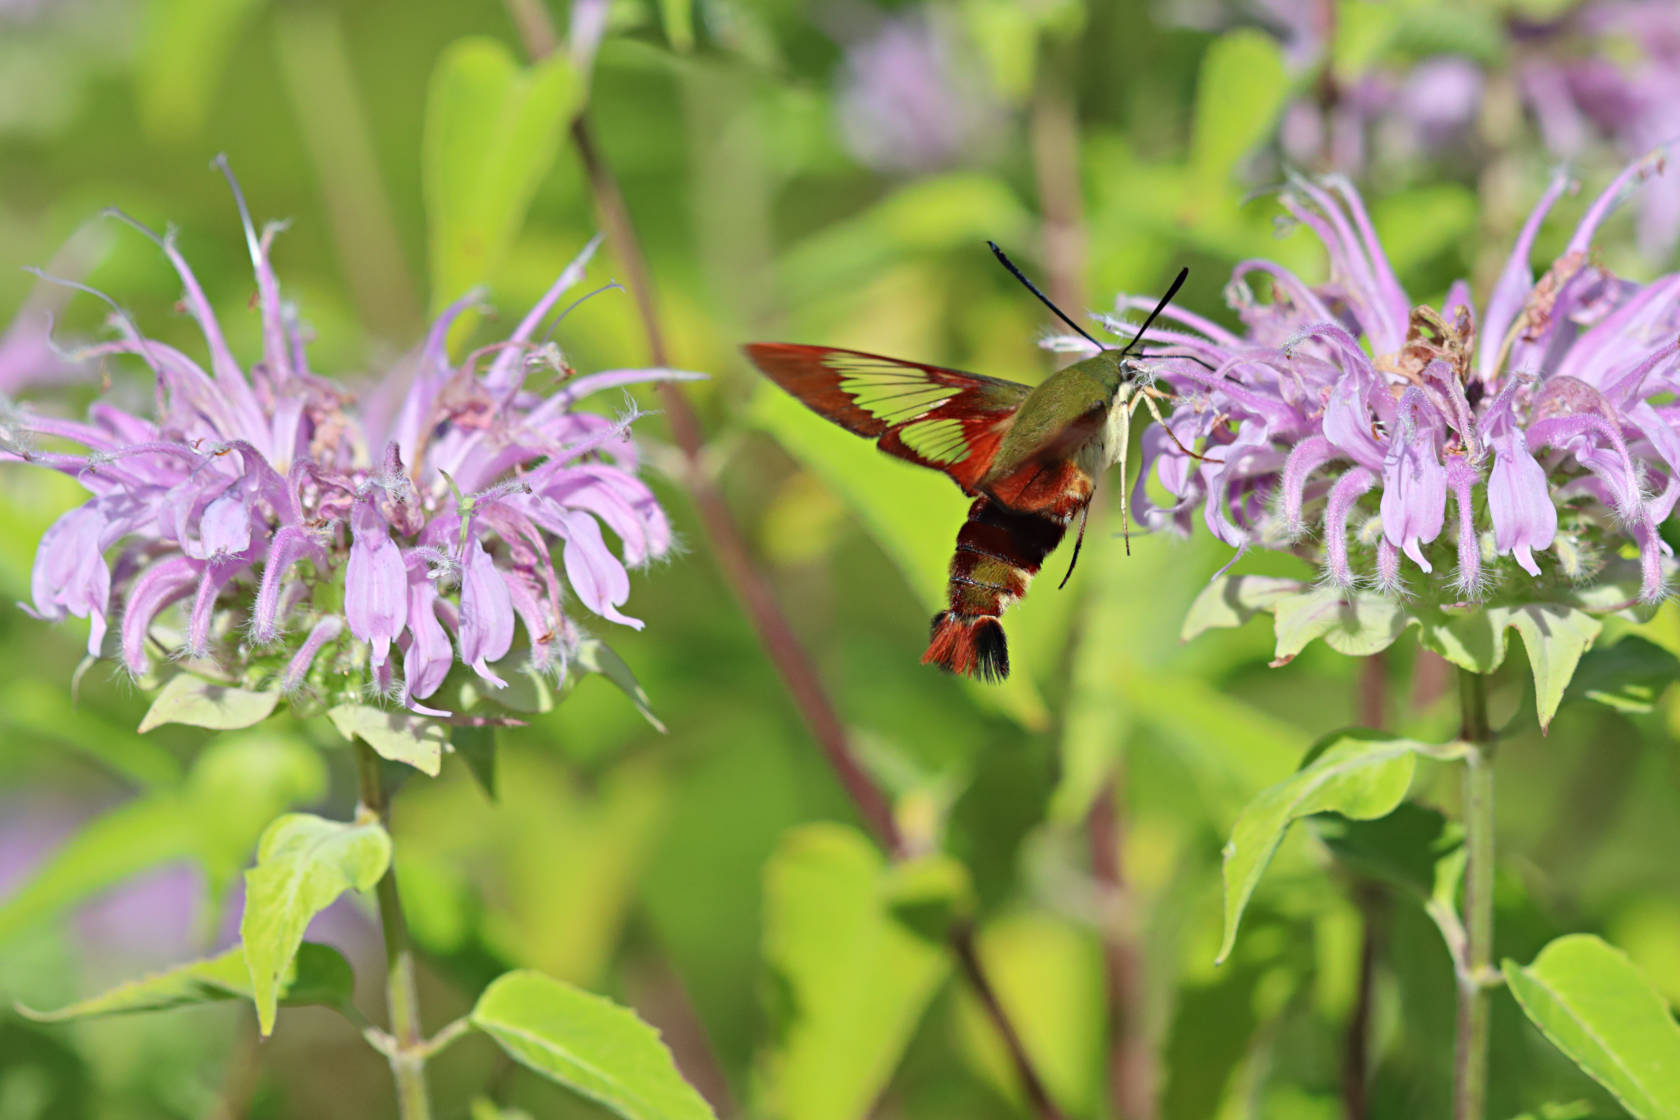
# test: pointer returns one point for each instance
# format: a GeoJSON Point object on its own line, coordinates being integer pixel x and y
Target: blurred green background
{"type": "Point", "coordinates": [795, 173]}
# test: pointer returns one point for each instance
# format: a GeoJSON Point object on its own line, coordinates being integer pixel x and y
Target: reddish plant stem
{"type": "Point", "coordinates": [968, 956]}
{"type": "Point", "coordinates": [751, 585]}
{"type": "Point", "coordinates": [1356, 1056]}
{"type": "Point", "coordinates": [1131, 1064]}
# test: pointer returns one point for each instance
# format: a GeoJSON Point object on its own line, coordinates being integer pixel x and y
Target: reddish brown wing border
{"type": "Point", "coordinates": [983, 405]}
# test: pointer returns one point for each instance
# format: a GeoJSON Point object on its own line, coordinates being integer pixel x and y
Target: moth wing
{"type": "Point", "coordinates": [940, 418]}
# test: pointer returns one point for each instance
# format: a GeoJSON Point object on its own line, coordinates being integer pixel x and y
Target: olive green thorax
{"type": "Point", "coordinates": [1062, 399]}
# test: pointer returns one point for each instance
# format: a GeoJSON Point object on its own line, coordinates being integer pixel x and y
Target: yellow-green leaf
{"type": "Point", "coordinates": [303, 863]}
{"type": "Point", "coordinates": [589, 1044]}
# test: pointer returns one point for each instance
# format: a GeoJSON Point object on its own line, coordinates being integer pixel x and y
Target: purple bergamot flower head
{"type": "Point", "coordinates": [1450, 451]}
{"type": "Point", "coordinates": [270, 524]}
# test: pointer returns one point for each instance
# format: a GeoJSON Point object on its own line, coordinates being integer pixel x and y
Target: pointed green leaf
{"type": "Point", "coordinates": [303, 863]}
{"type": "Point", "coordinates": [1555, 637]}
{"type": "Point", "coordinates": [237, 785]}
{"type": "Point", "coordinates": [395, 735]}
{"type": "Point", "coordinates": [1238, 94]}
{"type": "Point", "coordinates": [589, 1044]}
{"type": "Point", "coordinates": [49, 715]}
{"type": "Point", "coordinates": [1354, 623]}
{"type": "Point", "coordinates": [318, 975]}
{"type": "Point", "coordinates": [850, 980]}
{"type": "Point", "coordinates": [476, 746]}
{"type": "Point", "coordinates": [1629, 676]}
{"type": "Point", "coordinates": [1230, 601]}
{"type": "Point", "coordinates": [1413, 848]}
{"type": "Point", "coordinates": [492, 132]}
{"type": "Point", "coordinates": [595, 656]}
{"type": "Point", "coordinates": [200, 703]}
{"type": "Point", "coordinates": [1595, 1006]}
{"type": "Point", "coordinates": [1359, 774]}
{"type": "Point", "coordinates": [678, 18]}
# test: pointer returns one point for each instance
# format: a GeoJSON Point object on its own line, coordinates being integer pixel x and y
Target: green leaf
{"type": "Point", "coordinates": [1354, 623]}
{"type": "Point", "coordinates": [595, 656]}
{"type": "Point", "coordinates": [1595, 1006]}
{"type": "Point", "coordinates": [1555, 637]}
{"type": "Point", "coordinates": [850, 980]}
{"type": "Point", "coordinates": [185, 45]}
{"type": "Point", "coordinates": [192, 700]}
{"type": "Point", "coordinates": [1230, 601]}
{"type": "Point", "coordinates": [492, 131]}
{"type": "Point", "coordinates": [237, 785]}
{"type": "Point", "coordinates": [476, 746]}
{"type": "Point", "coordinates": [141, 834]}
{"type": "Point", "coordinates": [678, 18]}
{"type": "Point", "coordinates": [588, 1044]}
{"type": "Point", "coordinates": [1413, 848]}
{"type": "Point", "coordinates": [29, 711]}
{"type": "Point", "coordinates": [1359, 774]}
{"type": "Point", "coordinates": [303, 863]}
{"type": "Point", "coordinates": [1629, 676]}
{"type": "Point", "coordinates": [318, 975]}
{"type": "Point", "coordinates": [1241, 87]}
{"type": "Point", "coordinates": [398, 736]}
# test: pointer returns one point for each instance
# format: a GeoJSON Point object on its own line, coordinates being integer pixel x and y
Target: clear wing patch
{"type": "Point", "coordinates": [937, 441]}
{"type": "Point", "coordinates": [891, 393]}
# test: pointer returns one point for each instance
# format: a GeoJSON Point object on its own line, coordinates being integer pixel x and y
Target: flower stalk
{"type": "Point", "coordinates": [1470, 1066]}
{"type": "Point", "coordinates": [402, 997]}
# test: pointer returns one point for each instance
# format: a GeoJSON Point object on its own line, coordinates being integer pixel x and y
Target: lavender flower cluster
{"type": "Point", "coordinates": [265, 516]}
{"type": "Point", "coordinates": [1547, 415]}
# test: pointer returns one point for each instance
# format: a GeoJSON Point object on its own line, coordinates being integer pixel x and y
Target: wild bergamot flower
{"type": "Point", "coordinates": [1545, 415]}
{"type": "Point", "coordinates": [269, 521]}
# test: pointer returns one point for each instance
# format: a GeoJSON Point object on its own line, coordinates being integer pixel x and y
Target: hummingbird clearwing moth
{"type": "Point", "coordinates": [1028, 456]}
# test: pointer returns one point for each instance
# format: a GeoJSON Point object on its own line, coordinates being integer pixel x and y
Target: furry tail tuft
{"type": "Point", "coordinates": [970, 644]}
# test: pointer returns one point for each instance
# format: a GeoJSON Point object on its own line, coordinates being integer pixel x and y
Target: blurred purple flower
{"type": "Point", "coordinates": [1377, 415]}
{"type": "Point", "coordinates": [911, 98]}
{"type": "Point", "coordinates": [1609, 72]}
{"type": "Point", "coordinates": [255, 487]}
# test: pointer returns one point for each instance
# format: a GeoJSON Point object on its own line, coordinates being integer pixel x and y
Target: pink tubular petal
{"type": "Point", "coordinates": [595, 574]}
{"type": "Point", "coordinates": [1347, 491]}
{"type": "Point", "coordinates": [1461, 479]}
{"type": "Point", "coordinates": [1621, 188]}
{"type": "Point", "coordinates": [1519, 502]}
{"type": "Point", "coordinates": [540, 625]}
{"type": "Point", "coordinates": [375, 583]}
{"type": "Point", "coordinates": [276, 356]}
{"type": "Point", "coordinates": [1515, 282]}
{"type": "Point", "coordinates": [1308, 456]}
{"type": "Point", "coordinates": [155, 588]}
{"type": "Point", "coordinates": [1414, 498]}
{"type": "Point", "coordinates": [326, 630]}
{"type": "Point", "coordinates": [509, 370]}
{"type": "Point", "coordinates": [427, 660]}
{"type": "Point", "coordinates": [291, 544]}
{"type": "Point", "coordinates": [486, 632]}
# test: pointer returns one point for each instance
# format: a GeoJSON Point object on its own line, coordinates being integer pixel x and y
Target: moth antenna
{"type": "Point", "coordinates": [1172, 290]}
{"type": "Point", "coordinates": [1042, 298]}
{"type": "Point", "coordinates": [1203, 362]}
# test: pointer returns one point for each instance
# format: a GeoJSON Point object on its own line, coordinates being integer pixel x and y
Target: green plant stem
{"type": "Point", "coordinates": [402, 999]}
{"type": "Point", "coordinates": [1470, 1067]}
